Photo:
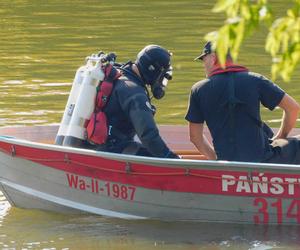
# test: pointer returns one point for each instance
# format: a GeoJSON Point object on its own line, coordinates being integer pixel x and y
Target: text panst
{"type": "Point", "coordinates": [260, 184]}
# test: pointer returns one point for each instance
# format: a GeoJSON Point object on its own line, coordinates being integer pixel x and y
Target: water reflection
{"type": "Point", "coordinates": [58, 231]}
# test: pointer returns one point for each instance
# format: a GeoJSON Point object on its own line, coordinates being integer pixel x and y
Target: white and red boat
{"type": "Point", "coordinates": [36, 174]}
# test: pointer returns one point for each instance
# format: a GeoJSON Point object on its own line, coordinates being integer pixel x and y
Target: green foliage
{"type": "Point", "coordinates": [283, 43]}
{"type": "Point", "coordinates": [244, 17]}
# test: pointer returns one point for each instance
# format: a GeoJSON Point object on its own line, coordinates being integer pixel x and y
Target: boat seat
{"type": "Point", "coordinates": [194, 157]}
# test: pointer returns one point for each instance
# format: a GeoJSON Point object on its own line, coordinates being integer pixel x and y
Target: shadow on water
{"type": "Point", "coordinates": [60, 231]}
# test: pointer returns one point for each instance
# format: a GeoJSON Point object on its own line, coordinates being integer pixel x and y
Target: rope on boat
{"type": "Point", "coordinates": [184, 172]}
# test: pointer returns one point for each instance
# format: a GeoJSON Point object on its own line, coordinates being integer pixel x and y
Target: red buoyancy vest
{"type": "Point", "coordinates": [97, 129]}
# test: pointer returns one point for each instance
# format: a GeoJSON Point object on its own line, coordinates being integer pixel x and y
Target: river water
{"type": "Point", "coordinates": [43, 43]}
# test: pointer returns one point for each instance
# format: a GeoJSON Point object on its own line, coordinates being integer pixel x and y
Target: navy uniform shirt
{"type": "Point", "coordinates": [245, 140]}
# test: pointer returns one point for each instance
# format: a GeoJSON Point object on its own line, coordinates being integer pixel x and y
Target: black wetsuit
{"type": "Point", "coordinates": [129, 112]}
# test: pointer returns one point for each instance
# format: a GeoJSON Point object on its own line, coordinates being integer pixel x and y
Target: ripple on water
{"type": "Point", "coordinates": [53, 92]}
{"type": "Point", "coordinates": [55, 84]}
{"type": "Point", "coordinates": [14, 82]}
{"type": "Point", "coordinates": [4, 207]}
{"type": "Point", "coordinates": [24, 121]}
{"type": "Point", "coordinates": [34, 112]}
{"type": "Point", "coordinates": [38, 80]}
{"type": "Point", "coordinates": [263, 246]}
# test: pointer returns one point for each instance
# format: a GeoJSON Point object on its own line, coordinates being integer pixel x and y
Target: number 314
{"type": "Point", "coordinates": [264, 207]}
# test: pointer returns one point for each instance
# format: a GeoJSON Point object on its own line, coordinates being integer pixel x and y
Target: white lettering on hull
{"type": "Point", "coordinates": [260, 184]}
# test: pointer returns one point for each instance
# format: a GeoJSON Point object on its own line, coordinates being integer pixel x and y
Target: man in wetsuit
{"type": "Point", "coordinates": [129, 110]}
{"type": "Point", "coordinates": [228, 101]}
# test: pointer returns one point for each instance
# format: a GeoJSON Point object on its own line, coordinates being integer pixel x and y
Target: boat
{"type": "Point", "coordinates": [36, 174]}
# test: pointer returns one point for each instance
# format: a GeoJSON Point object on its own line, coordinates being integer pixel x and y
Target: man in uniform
{"type": "Point", "coordinates": [129, 110]}
{"type": "Point", "coordinates": [228, 101]}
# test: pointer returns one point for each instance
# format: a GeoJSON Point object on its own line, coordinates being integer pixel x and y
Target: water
{"type": "Point", "coordinates": [44, 42]}
{"type": "Point", "coordinates": [30, 229]}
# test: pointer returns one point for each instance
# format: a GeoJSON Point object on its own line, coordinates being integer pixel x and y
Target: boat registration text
{"type": "Point", "coordinates": [110, 189]}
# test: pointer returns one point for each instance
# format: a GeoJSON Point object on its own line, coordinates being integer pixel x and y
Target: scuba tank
{"type": "Point", "coordinates": [76, 129]}
{"type": "Point", "coordinates": [63, 128]}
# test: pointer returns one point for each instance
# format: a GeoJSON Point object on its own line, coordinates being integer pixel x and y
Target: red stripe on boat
{"type": "Point", "coordinates": [162, 178]}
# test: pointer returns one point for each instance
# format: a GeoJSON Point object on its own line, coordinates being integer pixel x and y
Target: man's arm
{"type": "Point", "coordinates": [141, 117]}
{"type": "Point", "coordinates": [290, 114]}
{"type": "Point", "coordinates": [200, 141]}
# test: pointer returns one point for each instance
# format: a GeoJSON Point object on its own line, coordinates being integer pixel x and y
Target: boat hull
{"type": "Point", "coordinates": [69, 180]}
{"type": "Point", "coordinates": [41, 187]}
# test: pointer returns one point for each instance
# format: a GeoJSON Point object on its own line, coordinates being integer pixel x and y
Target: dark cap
{"type": "Point", "coordinates": [206, 50]}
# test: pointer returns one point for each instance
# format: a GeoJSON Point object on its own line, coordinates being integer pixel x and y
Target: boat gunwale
{"type": "Point", "coordinates": [158, 162]}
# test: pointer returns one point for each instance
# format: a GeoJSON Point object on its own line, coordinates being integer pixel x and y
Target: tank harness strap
{"type": "Point", "coordinates": [97, 127]}
{"type": "Point", "coordinates": [105, 87]}
{"type": "Point", "coordinates": [233, 101]}
{"type": "Point", "coordinates": [256, 120]}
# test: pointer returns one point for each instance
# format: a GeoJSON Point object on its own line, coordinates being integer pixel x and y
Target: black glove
{"type": "Point", "coordinates": [172, 155]}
